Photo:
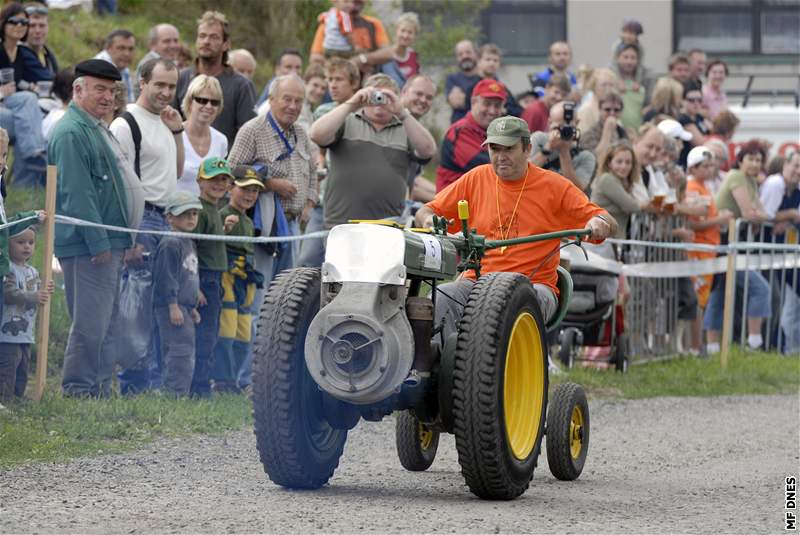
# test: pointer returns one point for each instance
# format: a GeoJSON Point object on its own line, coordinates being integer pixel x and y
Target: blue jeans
{"type": "Point", "coordinates": [758, 300]}
{"type": "Point", "coordinates": [207, 331]}
{"type": "Point", "coordinates": [21, 117]}
{"type": "Point", "coordinates": [146, 375]}
{"type": "Point", "coordinates": [269, 266]}
{"type": "Point", "coordinates": [312, 251]}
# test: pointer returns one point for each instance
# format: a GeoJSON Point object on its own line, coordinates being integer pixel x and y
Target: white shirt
{"type": "Point", "coordinates": [158, 158]}
{"type": "Point", "coordinates": [191, 160]}
{"type": "Point", "coordinates": [771, 194]}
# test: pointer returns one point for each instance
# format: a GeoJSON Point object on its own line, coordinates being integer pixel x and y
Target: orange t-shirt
{"type": "Point", "coordinates": [708, 235]}
{"type": "Point", "coordinates": [549, 203]}
{"type": "Point", "coordinates": [362, 34]}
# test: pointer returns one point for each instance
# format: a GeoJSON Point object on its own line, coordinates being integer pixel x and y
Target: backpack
{"type": "Point", "coordinates": [136, 133]}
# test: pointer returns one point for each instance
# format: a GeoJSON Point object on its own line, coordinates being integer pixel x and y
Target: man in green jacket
{"type": "Point", "coordinates": [91, 186]}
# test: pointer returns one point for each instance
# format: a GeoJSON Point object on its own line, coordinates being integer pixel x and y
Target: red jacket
{"type": "Point", "coordinates": [461, 151]}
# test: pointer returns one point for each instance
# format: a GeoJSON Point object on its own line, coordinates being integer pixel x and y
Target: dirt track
{"type": "Point", "coordinates": [660, 465]}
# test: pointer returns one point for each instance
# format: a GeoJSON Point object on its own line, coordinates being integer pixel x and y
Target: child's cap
{"type": "Point", "coordinates": [18, 228]}
{"type": "Point", "coordinates": [180, 201]}
{"type": "Point", "coordinates": [247, 175]}
{"type": "Point", "coordinates": [633, 26]}
{"type": "Point", "coordinates": [213, 167]}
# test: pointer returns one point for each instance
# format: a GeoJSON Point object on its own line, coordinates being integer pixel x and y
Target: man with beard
{"type": "Point", "coordinates": [458, 86]}
{"type": "Point", "coordinates": [239, 95]}
{"type": "Point", "coordinates": [150, 135]}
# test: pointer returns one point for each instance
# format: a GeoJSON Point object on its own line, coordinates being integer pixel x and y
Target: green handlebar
{"type": "Point", "coordinates": [494, 244]}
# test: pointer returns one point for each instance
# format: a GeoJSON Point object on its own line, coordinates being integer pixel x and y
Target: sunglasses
{"type": "Point", "coordinates": [36, 10]}
{"type": "Point", "coordinates": [695, 100]}
{"type": "Point", "coordinates": [612, 110]}
{"type": "Point", "coordinates": [17, 21]}
{"type": "Point", "coordinates": [203, 101]}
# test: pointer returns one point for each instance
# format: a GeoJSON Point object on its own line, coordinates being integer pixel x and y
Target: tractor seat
{"type": "Point", "coordinates": [565, 293]}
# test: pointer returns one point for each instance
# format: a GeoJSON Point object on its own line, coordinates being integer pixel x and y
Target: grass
{"type": "Point", "coordinates": [746, 374]}
{"type": "Point", "coordinates": [58, 429]}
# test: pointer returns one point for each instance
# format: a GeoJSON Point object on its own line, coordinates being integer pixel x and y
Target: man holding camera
{"type": "Point", "coordinates": [557, 150]}
{"type": "Point", "coordinates": [372, 140]}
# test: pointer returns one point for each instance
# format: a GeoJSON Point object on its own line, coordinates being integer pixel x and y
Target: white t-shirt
{"type": "Point", "coordinates": [158, 158]}
{"type": "Point", "coordinates": [771, 194]}
{"type": "Point", "coordinates": [191, 161]}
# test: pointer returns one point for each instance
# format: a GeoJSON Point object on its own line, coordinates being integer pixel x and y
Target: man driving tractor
{"type": "Point", "coordinates": [510, 198]}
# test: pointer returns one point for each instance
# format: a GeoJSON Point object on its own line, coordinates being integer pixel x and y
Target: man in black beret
{"type": "Point", "coordinates": [96, 183]}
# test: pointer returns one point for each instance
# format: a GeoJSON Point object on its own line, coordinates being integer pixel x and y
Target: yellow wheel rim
{"type": "Point", "coordinates": [523, 390]}
{"type": "Point", "coordinates": [576, 432]}
{"type": "Point", "coordinates": [425, 437]}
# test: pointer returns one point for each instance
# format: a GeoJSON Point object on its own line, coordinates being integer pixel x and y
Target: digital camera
{"type": "Point", "coordinates": [378, 98]}
{"type": "Point", "coordinates": [567, 131]}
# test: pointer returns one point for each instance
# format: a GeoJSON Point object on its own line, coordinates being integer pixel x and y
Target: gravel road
{"type": "Point", "coordinates": [666, 465]}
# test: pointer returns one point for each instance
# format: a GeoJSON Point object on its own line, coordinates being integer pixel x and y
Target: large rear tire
{"type": "Point", "coordinates": [297, 446]}
{"type": "Point", "coordinates": [500, 386]}
{"type": "Point", "coordinates": [416, 443]}
{"type": "Point", "coordinates": [567, 432]}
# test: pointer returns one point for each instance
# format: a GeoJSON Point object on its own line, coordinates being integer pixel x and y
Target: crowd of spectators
{"type": "Point", "coordinates": [186, 145]}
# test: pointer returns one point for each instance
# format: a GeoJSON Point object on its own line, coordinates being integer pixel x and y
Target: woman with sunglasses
{"type": "Point", "coordinates": [202, 104]}
{"type": "Point", "coordinates": [692, 119]}
{"type": "Point", "coordinates": [14, 54]}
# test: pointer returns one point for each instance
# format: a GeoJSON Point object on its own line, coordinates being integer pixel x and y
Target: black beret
{"type": "Point", "coordinates": [98, 68]}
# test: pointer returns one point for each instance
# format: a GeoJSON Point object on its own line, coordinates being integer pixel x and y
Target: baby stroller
{"type": "Point", "coordinates": [594, 324]}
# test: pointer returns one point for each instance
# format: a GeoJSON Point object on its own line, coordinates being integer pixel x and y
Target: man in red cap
{"type": "Point", "coordinates": [462, 146]}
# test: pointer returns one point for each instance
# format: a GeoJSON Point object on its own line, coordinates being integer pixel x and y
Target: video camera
{"type": "Point", "coordinates": [567, 131]}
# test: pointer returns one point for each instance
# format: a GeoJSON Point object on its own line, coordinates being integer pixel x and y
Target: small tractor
{"type": "Point", "coordinates": [356, 339]}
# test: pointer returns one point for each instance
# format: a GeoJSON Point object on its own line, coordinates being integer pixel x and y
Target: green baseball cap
{"type": "Point", "coordinates": [213, 167]}
{"type": "Point", "coordinates": [179, 201]}
{"type": "Point", "coordinates": [507, 131]}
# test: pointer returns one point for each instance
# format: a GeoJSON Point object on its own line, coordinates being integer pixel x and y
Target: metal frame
{"type": "Point", "coordinates": [756, 9]}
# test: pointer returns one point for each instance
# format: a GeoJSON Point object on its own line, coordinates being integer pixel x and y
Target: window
{"type": "Point", "coordinates": [738, 26]}
{"type": "Point", "coordinates": [525, 27]}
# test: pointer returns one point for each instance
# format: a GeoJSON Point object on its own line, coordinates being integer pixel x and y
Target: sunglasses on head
{"type": "Point", "coordinates": [203, 101]}
{"type": "Point", "coordinates": [36, 10]}
{"type": "Point", "coordinates": [17, 21]}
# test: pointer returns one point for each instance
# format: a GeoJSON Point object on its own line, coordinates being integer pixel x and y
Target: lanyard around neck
{"type": "Point", "coordinates": [289, 148]}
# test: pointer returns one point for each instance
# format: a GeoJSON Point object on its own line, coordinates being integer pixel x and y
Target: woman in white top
{"type": "Point", "coordinates": [202, 104]}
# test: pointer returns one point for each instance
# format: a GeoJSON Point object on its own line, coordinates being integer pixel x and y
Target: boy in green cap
{"type": "Point", "coordinates": [239, 283]}
{"type": "Point", "coordinates": [22, 294]}
{"type": "Point", "coordinates": [214, 178]}
{"type": "Point", "coordinates": [9, 363]}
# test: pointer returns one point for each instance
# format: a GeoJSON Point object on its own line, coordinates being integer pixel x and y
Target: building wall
{"type": "Point", "coordinates": [593, 25]}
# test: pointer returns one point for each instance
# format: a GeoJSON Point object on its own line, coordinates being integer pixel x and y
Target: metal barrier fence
{"type": "Point", "coordinates": [779, 269]}
{"type": "Point", "coordinates": [654, 304]}
{"type": "Point", "coordinates": [662, 303]}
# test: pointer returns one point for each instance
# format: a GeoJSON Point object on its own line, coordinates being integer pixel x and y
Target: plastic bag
{"type": "Point", "coordinates": [133, 326]}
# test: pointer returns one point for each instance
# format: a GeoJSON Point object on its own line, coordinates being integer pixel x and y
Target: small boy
{"type": "Point", "coordinates": [8, 364]}
{"type": "Point", "coordinates": [239, 283]}
{"type": "Point", "coordinates": [214, 178]}
{"type": "Point", "coordinates": [21, 297]}
{"type": "Point", "coordinates": [176, 287]}
{"type": "Point", "coordinates": [338, 36]}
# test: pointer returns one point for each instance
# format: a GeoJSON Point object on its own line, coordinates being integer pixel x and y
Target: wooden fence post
{"type": "Point", "coordinates": [730, 297]}
{"type": "Point", "coordinates": [43, 332]}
